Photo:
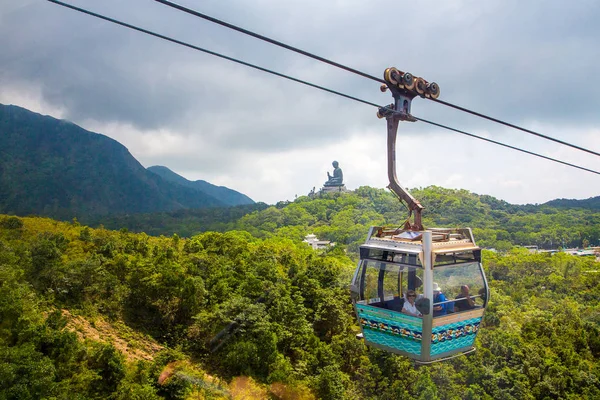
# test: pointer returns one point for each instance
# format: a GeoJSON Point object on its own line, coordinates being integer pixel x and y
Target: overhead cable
{"type": "Point", "coordinates": [115, 21]}
{"type": "Point", "coordinates": [505, 145]}
{"type": "Point", "coordinates": [267, 39]}
{"type": "Point", "coordinates": [191, 46]}
{"type": "Point", "coordinates": [515, 127]}
{"type": "Point", "coordinates": [363, 74]}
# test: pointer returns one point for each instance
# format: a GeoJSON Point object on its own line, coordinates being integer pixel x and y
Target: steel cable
{"type": "Point", "coordinates": [124, 24]}
{"type": "Point", "coordinates": [363, 74]}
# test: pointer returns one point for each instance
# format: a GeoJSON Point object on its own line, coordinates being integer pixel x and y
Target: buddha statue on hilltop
{"type": "Point", "coordinates": [337, 178]}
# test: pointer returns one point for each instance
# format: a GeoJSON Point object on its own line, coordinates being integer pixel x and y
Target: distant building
{"type": "Point", "coordinates": [532, 249]}
{"type": "Point", "coordinates": [315, 243]}
{"type": "Point", "coordinates": [589, 252]}
{"type": "Point", "coordinates": [551, 251]}
{"type": "Point", "coordinates": [580, 252]}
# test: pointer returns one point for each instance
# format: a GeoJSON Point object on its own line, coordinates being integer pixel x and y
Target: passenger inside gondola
{"type": "Point", "coordinates": [386, 281]}
{"type": "Point", "coordinates": [409, 306]}
{"type": "Point", "coordinates": [439, 301]}
{"type": "Point", "coordinates": [461, 277]}
{"type": "Point", "coordinates": [464, 301]}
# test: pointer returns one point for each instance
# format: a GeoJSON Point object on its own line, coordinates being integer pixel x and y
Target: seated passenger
{"type": "Point", "coordinates": [438, 297]}
{"type": "Point", "coordinates": [464, 301]}
{"type": "Point", "coordinates": [409, 306]}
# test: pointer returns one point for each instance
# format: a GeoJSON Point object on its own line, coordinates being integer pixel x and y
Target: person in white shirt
{"type": "Point", "coordinates": [409, 306]}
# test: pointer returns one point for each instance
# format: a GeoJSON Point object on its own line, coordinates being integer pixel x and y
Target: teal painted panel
{"type": "Point", "coordinates": [454, 336]}
{"type": "Point", "coordinates": [389, 328]}
{"type": "Point", "coordinates": [388, 315]}
{"type": "Point", "coordinates": [408, 345]}
{"type": "Point", "coordinates": [442, 347]}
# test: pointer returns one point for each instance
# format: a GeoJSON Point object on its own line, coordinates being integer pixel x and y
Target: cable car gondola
{"type": "Point", "coordinates": [394, 261]}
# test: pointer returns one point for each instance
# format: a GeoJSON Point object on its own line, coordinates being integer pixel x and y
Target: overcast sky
{"type": "Point", "coordinates": [533, 63]}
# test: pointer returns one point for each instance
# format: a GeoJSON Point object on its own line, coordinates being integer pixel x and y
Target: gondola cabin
{"type": "Point", "coordinates": [446, 321]}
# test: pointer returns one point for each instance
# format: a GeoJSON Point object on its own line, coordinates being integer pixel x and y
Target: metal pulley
{"type": "Point", "coordinates": [398, 80]}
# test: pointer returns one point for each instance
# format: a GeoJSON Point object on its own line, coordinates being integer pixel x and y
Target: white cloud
{"type": "Point", "coordinates": [30, 99]}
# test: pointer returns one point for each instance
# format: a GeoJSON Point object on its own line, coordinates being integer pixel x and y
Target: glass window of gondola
{"type": "Point", "coordinates": [458, 257]}
{"type": "Point", "coordinates": [376, 253]}
{"type": "Point", "coordinates": [384, 284]}
{"type": "Point", "coordinates": [463, 287]}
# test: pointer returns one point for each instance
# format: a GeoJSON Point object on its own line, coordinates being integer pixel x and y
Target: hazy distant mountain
{"type": "Point", "coordinates": [55, 168]}
{"type": "Point", "coordinates": [593, 203]}
{"type": "Point", "coordinates": [226, 195]}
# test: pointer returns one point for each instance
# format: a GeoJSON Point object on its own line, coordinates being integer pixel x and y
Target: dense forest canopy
{"type": "Point", "coordinates": [345, 218]}
{"type": "Point", "coordinates": [262, 315]}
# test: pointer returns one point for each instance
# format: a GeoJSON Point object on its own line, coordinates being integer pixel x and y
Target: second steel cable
{"type": "Point", "coordinates": [363, 74]}
{"type": "Point", "coordinates": [124, 24]}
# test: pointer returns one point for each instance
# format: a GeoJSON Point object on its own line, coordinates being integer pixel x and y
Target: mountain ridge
{"type": "Point", "coordinates": [591, 203]}
{"type": "Point", "coordinates": [55, 168]}
{"type": "Point", "coordinates": [228, 196]}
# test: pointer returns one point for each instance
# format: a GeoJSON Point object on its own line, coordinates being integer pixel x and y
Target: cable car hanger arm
{"type": "Point", "coordinates": [413, 204]}
{"type": "Point", "coordinates": [404, 87]}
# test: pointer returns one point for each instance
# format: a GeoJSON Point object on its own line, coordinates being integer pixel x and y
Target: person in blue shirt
{"type": "Point", "coordinates": [438, 297]}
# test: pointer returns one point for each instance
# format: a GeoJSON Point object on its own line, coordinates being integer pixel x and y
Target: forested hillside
{"type": "Point", "coordinates": [229, 315]}
{"type": "Point", "coordinates": [346, 218]}
{"type": "Point", "coordinates": [55, 168]}
{"type": "Point", "coordinates": [227, 196]}
{"type": "Point", "coordinates": [593, 203]}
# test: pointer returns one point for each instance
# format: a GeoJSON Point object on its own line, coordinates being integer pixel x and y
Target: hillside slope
{"type": "Point", "coordinates": [345, 219]}
{"type": "Point", "coordinates": [55, 168]}
{"type": "Point", "coordinates": [593, 203]}
{"type": "Point", "coordinates": [222, 193]}
{"type": "Point", "coordinates": [98, 314]}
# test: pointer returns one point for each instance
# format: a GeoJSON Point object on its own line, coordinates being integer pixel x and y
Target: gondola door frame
{"type": "Point", "coordinates": [428, 294]}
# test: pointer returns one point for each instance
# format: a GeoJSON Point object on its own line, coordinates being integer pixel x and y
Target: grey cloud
{"type": "Point", "coordinates": [519, 61]}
